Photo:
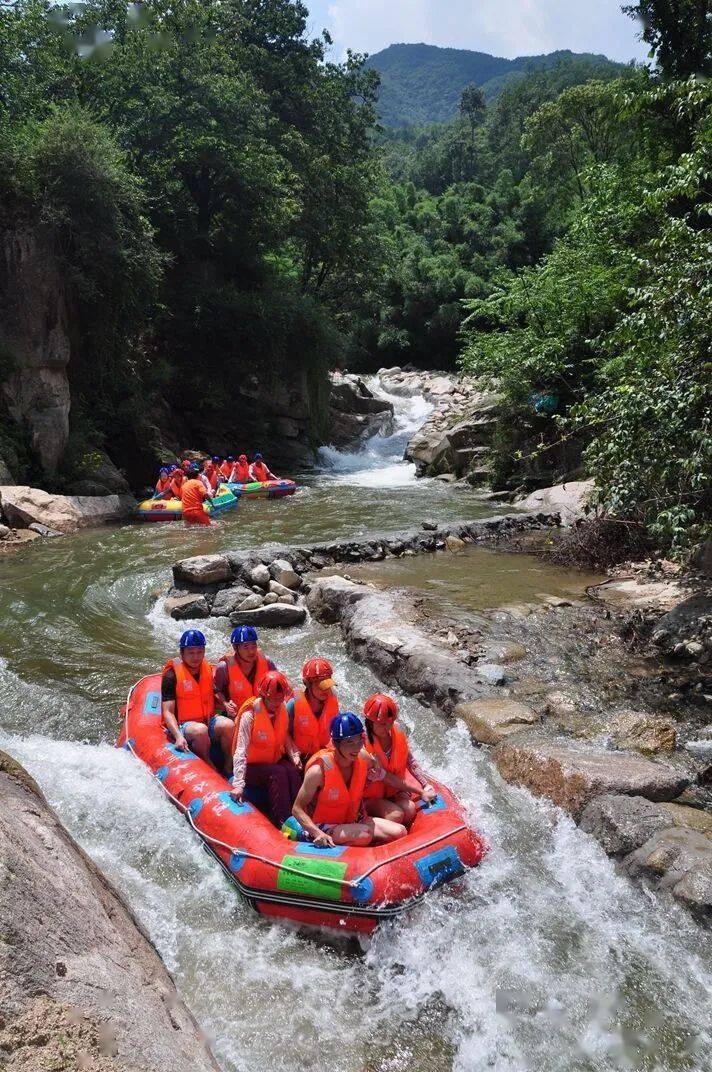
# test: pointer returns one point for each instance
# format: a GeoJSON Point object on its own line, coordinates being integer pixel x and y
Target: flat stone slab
{"type": "Point", "coordinates": [572, 775]}
{"type": "Point", "coordinates": [271, 616]}
{"type": "Point", "coordinates": [204, 569]}
{"type": "Point", "coordinates": [493, 720]}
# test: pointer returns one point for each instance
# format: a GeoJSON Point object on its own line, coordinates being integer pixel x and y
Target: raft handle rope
{"type": "Point", "coordinates": [244, 854]}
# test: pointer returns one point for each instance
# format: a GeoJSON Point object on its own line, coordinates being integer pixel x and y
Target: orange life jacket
{"type": "Point", "coordinates": [213, 477]}
{"type": "Point", "coordinates": [311, 733]}
{"type": "Point", "coordinates": [396, 763]}
{"type": "Point", "coordinates": [268, 740]}
{"type": "Point", "coordinates": [336, 802]}
{"type": "Point", "coordinates": [225, 470]}
{"type": "Point", "coordinates": [193, 494]}
{"type": "Point", "coordinates": [241, 474]}
{"type": "Point", "coordinates": [260, 471]}
{"type": "Point", "coordinates": [241, 688]}
{"type": "Point", "coordinates": [195, 700]}
{"type": "Point", "coordinates": [177, 482]}
{"type": "Point", "coordinates": [162, 484]}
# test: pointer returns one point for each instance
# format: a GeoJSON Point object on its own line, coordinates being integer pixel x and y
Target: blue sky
{"type": "Point", "coordinates": [501, 27]}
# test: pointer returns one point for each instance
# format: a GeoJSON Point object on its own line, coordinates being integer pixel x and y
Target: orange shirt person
{"type": "Point", "coordinates": [163, 485]}
{"type": "Point", "coordinates": [241, 471]}
{"type": "Point", "coordinates": [193, 494]}
{"type": "Point", "coordinates": [260, 471]}
{"type": "Point", "coordinates": [227, 467]}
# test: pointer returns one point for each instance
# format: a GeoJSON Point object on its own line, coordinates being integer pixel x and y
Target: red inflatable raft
{"type": "Point", "coordinates": [345, 888]}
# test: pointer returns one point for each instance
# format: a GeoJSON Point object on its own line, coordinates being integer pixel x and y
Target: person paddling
{"type": "Point", "coordinates": [264, 754]}
{"type": "Point", "coordinates": [312, 710]}
{"type": "Point", "coordinates": [259, 470]}
{"type": "Point", "coordinates": [241, 471]}
{"type": "Point", "coordinates": [389, 746]}
{"type": "Point", "coordinates": [178, 479]}
{"type": "Point", "coordinates": [227, 467]}
{"type": "Point", "coordinates": [163, 485]}
{"type": "Point", "coordinates": [193, 494]}
{"type": "Point", "coordinates": [210, 476]}
{"type": "Point", "coordinates": [329, 807]}
{"type": "Point", "coordinates": [188, 698]}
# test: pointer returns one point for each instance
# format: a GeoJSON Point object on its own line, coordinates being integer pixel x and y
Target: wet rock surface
{"type": "Point", "coordinates": [355, 414]}
{"type": "Point", "coordinates": [81, 985]}
{"type": "Point", "coordinates": [23, 506]}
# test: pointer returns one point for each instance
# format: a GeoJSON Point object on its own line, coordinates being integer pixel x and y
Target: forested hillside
{"type": "Point", "coordinates": [423, 84]}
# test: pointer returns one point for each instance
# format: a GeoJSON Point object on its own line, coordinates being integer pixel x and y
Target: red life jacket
{"type": "Point", "coordinates": [337, 802]}
{"type": "Point", "coordinates": [241, 474]}
{"type": "Point", "coordinates": [195, 699]}
{"type": "Point", "coordinates": [311, 733]}
{"type": "Point", "coordinates": [261, 472]}
{"type": "Point", "coordinates": [212, 475]}
{"type": "Point", "coordinates": [268, 739]}
{"type": "Point", "coordinates": [163, 484]}
{"type": "Point", "coordinates": [177, 482]}
{"type": "Point", "coordinates": [395, 763]}
{"type": "Point", "coordinates": [193, 495]}
{"type": "Point", "coordinates": [226, 470]}
{"type": "Point", "coordinates": [241, 688]}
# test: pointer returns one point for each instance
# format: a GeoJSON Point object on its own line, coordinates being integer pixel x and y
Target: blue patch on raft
{"type": "Point", "coordinates": [437, 805]}
{"type": "Point", "coordinates": [187, 756]}
{"type": "Point", "coordinates": [363, 891]}
{"type": "Point", "coordinates": [130, 744]}
{"type": "Point", "coordinates": [152, 703]}
{"type": "Point", "coordinates": [195, 806]}
{"type": "Point", "coordinates": [306, 849]}
{"type": "Point", "coordinates": [439, 866]}
{"type": "Point", "coordinates": [234, 806]}
{"type": "Point", "coordinates": [237, 862]}
{"type": "Point", "coordinates": [162, 773]}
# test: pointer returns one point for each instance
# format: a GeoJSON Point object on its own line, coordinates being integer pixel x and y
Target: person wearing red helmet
{"type": "Point", "coordinates": [264, 754]}
{"type": "Point", "coordinates": [388, 744]}
{"type": "Point", "coordinates": [312, 710]}
{"type": "Point", "coordinates": [241, 471]}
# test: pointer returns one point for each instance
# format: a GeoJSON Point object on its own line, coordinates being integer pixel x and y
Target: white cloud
{"type": "Point", "coordinates": [502, 27]}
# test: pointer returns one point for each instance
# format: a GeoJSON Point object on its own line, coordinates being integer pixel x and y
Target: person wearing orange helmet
{"type": "Point", "coordinates": [264, 754]}
{"type": "Point", "coordinates": [312, 710]}
{"type": "Point", "coordinates": [388, 744]}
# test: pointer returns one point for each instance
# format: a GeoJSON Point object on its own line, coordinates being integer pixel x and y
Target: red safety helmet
{"type": "Point", "coordinates": [273, 686]}
{"type": "Point", "coordinates": [380, 708]}
{"type": "Point", "coordinates": [318, 672]}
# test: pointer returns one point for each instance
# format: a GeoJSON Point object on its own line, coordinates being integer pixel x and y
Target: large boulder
{"type": "Point", "coordinates": [203, 570]}
{"type": "Point", "coordinates": [680, 860]}
{"type": "Point", "coordinates": [82, 986]}
{"type": "Point", "coordinates": [270, 616]}
{"type": "Point", "coordinates": [640, 732]}
{"type": "Point", "coordinates": [183, 608]}
{"type": "Point", "coordinates": [622, 824]}
{"type": "Point", "coordinates": [101, 473]}
{"type": "Point", "coordinates": [572, 774]}
{"type": "Point", "coordinates": [284, 574]}
{"type": "Point", "coordinates": [355, 413]}
{"type": "Point", "coordinates": [569, 500]}
{"type": "Point", "coordinates": [492, 719]}
{"type": "Point", "coordinates": [22, 506]}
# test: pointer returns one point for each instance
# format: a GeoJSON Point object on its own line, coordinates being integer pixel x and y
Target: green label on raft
{"type": "Point", "coordinates": [310, 879]}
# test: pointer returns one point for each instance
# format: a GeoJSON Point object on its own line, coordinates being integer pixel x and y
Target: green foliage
{"type": "Point", "coordinates": [423, 84]}
{"type": "Point", "coordinates": [616, 322]}
{"type": "Point", "coordinates": [679, 34]}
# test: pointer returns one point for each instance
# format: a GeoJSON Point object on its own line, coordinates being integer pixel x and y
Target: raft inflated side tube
{"type": "Point", "coordinates": [350, 889]}
{"type": "Point", "coordinates": [269, 489]}
{"type": "Point", "coordinates": [172, 509]}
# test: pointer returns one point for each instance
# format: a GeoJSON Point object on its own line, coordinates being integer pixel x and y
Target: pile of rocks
{"type": "Point", "coordinates": [685, 632]}
{"type": "Point", "coordinates": [355, 414]}
{"type": "Point", "coordinates": [263, 587]}
{"type": "Point", "coordinates": [454, 442]}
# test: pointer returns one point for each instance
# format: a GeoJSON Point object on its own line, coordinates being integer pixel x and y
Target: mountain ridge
{"type": "Point", "coordinates": [422, 83]}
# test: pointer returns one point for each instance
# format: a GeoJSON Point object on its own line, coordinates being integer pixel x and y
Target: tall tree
{"type": "Point", "coordinates": [679, 33]}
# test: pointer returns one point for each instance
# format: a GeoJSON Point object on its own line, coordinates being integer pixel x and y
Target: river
{"type": "Point", "coordinates": [544, 958]}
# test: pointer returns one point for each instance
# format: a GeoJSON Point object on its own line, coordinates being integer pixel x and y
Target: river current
{"type": "Point", "coordinates": [543, 959]}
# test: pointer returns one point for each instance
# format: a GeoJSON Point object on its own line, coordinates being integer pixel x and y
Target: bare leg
{"type": "Point", "coordinates": [384, 831]}
{"type": "Point", "coordinates": [383, 808]}
{"type": "Point", "coordinates": [197, 736]}
{"type": "Point", "coordinates": [357, 834]}
{"type": "Point", "coordinates": [406, 805]}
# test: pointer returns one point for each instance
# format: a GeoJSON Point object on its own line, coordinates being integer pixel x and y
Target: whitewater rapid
{"type": "Point", "coordinates": [543, 959]}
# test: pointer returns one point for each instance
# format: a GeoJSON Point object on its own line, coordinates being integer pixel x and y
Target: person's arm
{"type": "Point", "coordinates": [239, 759]}
{"type": "Point", "coordinates": [168, 710]}
{"type": "Point", "coordinates": [313, 781]}
{"type": "Point", "coordinates": [421, 777]}
{"type": "Point", "coordinates": [221, 684]}
{"type": "Point", "coordinates": [293, 751]}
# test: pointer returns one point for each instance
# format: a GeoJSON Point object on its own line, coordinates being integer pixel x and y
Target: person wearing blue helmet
{"type": "Point", "coordinates": [188, 698]}
{"type": "Point", "coordinates": [329, 807]}
{"type": "Point", "coordinates": [238, 676]}
{"type": "Point", "coordinates": [260, 471]}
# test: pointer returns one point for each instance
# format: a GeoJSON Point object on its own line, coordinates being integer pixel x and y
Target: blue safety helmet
{"type": "Point", "coordinates": [231, 457]}
{"type": "Point", "coordinates": [215, 458]}
{"type": "Point", "coordinates": [194, 469]}
{"type": "Point", "coordinates": [192, 638]}
{"type": "Point", "coordinates": [162, 471]}
{"type": "Point", "coordinates": [258, 458]}
{"type": "Point", "coordinates": [244, 634]}
{"type": "Point", "coordinates": [346, 725]}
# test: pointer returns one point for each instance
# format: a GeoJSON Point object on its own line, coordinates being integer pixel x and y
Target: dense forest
{"type": "Point", "coordinates": [223, 208]}
{"type": "Point", "coordinates": [421, 84]}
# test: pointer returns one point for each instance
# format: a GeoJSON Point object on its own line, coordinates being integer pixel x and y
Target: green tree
{"type": "Point", "coordinates": [679, 33]}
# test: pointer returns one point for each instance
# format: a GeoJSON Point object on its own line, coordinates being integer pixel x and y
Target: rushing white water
{"type": "Point", "coordinates": [543, 959]}
{"type": "Point", "coordinates": [379, 461]}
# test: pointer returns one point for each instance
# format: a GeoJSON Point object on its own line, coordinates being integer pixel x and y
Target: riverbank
{"type": "Point", "coordinates": [82, 986]}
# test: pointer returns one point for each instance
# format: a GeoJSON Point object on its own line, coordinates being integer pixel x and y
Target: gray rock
{"type": "Point", "coordinates": [252, 602]}
{"type": "Point", "coordinates": [203, 570]}
{"type": "Point", "coordinates": [701, 558]}
{"type": "Point", "coordinates": [269, 616]}
{"type": "Point", "coordinates": [42, 530]}
{"type": "Point", "coordinates": [679, 860]}
{"type": "Point", "coordinates": [231, 599]}
{"type": "Point", "coordinates": [271, 597]}
{"type": "Point", "coordinates": [4, 532]}
{"type": "Point", "coordinates": [491, 673]}
{"type": "Point", "coordinates": [23, 505]}
{"type": "Point", "coordinates": [77, 966]}
{"type": "Point", "coordinates": [282, 571]}
{"type": "Point", "coordinates": [572, 775]}
{"type": "Point", "coordinates": [259, 576]}
{"type": "Point", "coordinates": [184, 607]}
{"type": "Point", "coordinates": [284, 593]}
{"type": "Point", "coordinates": [491, 720]}
{"type": "Point", "coordinates": [622, 824]}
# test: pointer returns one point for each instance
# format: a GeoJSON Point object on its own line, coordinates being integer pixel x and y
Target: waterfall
{"type": "Point", "coordinates": [379, 462]}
